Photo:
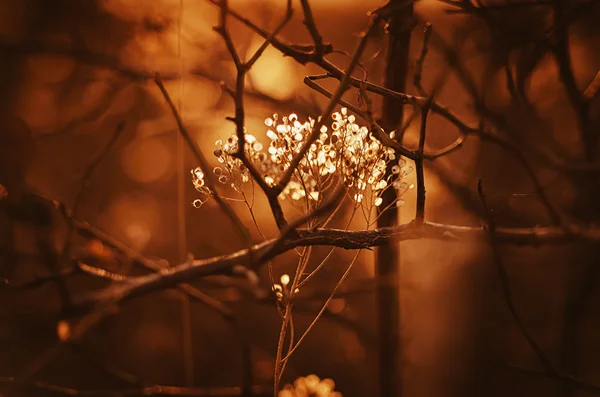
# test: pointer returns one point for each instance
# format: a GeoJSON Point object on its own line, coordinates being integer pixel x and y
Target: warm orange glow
{"type": "Point", "coordinates": [134, 10]}
{"type": "Point", "coordinates": [352, 349]}
{"type": "Point", "coordinates": [135, 197]}
{"type": "Point", "coordinates": [136, 216]}
{"type": "Point", "coordinates": [199, 95]}
{"type": "Point", "coordinates": [49, 69]}
{"type": "Point", "coordinates": [39, 108]}
{"type": "Point", "coordinates": [63, 331]}
{"type": "Point", "coordinates": [95, 247]}
{"type": "Point", "coordinates": [146, 160]}
{"type": "Point", "coordinates": [337, 305]}
{"type": "Point", "coordinates": [264, 369]}
{"type": "Point", "coordinates": [273, 74]}
{"type": "Point", "coordinates": [138, 234]}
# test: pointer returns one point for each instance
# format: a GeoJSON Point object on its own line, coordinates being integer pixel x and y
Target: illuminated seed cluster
{"type": "Point", "coordinates": [200, 185]}
{"type": "Point", "coordinates": [310, 386]}
{"type": "Point", "coordinates": [282, 290]}
{"type": "Point", "coordinates": [345, 150]}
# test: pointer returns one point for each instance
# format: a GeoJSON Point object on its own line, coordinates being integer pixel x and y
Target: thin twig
{"type": "Point", "coordinates": [311, 26]}
{"type": "Point", "coordinates": [420, 207]}
{"type": "Point", "coordinates": [567, 380]}
{"type": "Point", "coordinates": [341, 88]}
{"type": "Point", "coordinates": [203, 163]}
{"type": "Point", "coordinates": [505, 283]}
{"type": "Point", "coordinates": [242, 69]}
{"type": "Point", "coordinates": [418, 75]}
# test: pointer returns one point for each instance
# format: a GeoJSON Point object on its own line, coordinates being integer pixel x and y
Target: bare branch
{"type": "Point", "coordinates": [311, 26]}
{"type": "Point", "coordinates": [221, 29]}
{"type": "Point", "coordinates": [288, 16]}
{"type": "Point", "coordinates": [420, 207]}
{"type": "Point", "coordinates": [237, 95]}
{"type": "Point", "coordinates": [376, 129]}
{"type": "Point", "coordinates": [86, 57]}
{"type": "Point", "coordinates": [341, 88]}
{"type": "Point", "coordinates": [593, 88]}
{"type": "Point", "coordinates": [497, 139]}
{"type": "Point", "coordinates": [568, 380]}
{"type": "Point", "coordinates": [505, 283]}
{"type": "Point", "coordinates": [418, 75]}
{"type": "Point", "coordinates": [164, 391]}
{"type": "Point", "coordinates": [203, 163]}
{"type": "Point", "coordinates": [301, 53]}
{"type": "Point", "coordinates": [347, 239]}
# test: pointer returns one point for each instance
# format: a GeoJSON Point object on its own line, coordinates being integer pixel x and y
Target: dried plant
{"type": "Point", "coordinates": [319, 166]}
{"type": "Point", "coordinates": [347, 152]}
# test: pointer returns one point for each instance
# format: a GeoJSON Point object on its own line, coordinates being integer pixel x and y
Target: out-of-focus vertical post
{"type": "Point", "coordinates": [387, 259]}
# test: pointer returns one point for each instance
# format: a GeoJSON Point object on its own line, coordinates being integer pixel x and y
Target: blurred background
{"type": "Point", "coordinates": [76, 75]}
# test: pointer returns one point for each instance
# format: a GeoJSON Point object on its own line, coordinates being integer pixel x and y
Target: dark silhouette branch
{"type": "Point", "coordinates": [505, 283]}
{"type": "Point", "coordinates": [203, 163]}
{"type": "Point", "coordinates": [237, 94]}
{"type": "Point", "coordinates": [163, 391]}
{"type": "Point", "coordinates": [569, 381]}
{"type": "Point", "coordinates": [348, 239]}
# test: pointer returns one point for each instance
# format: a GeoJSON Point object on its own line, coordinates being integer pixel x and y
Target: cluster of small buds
{"type": "Point", "coordinates": [310, 386]}
{"type": "Point", "coordinates": [345, 150]}
{"type": "Point", "coordinates": [281, 290]}
{"type": "Point", "coordinates": [363, 159]}
{"type": "Point", "coordinates": [200, 185]}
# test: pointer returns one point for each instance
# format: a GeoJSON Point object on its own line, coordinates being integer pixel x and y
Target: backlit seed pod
{"type": "Point", "coordinates": [348, 151]}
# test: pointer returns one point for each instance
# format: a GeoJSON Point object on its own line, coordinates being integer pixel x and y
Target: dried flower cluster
{"type": "Point", "coordinates": [282, 291]}
{"type": "Point", "coordinates": [346, 150]}
{"type": "Point", "coordinates": [310, 386]}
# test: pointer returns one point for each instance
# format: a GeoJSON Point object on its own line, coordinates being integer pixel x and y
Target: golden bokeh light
{"type": "Point", "coordinates": [63, 331]}
{"type": "Point", "coordinates": [78, 73]}
{"type": "Point", "coordinates": [146, 160]}
{"type": "Point", "coordinates": [138, 234]}
{"type": "Point", "coordinates": [135, 217]}
{"type": "Point", "coordinates": [195, 95]}
{"type": "Point", "coordinates": [273, 74]}
{"type": "Point", "coordinates": [166, 39]}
